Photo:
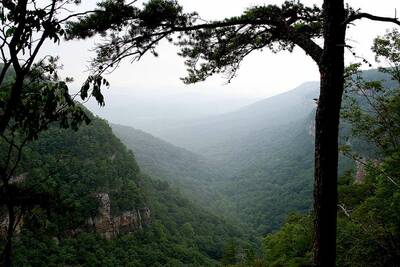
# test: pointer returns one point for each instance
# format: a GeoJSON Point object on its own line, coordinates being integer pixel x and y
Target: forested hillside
{"type": "Point", "coordinates": [193, 174]}
{"type": "Point", "coordinates": [102, 211]}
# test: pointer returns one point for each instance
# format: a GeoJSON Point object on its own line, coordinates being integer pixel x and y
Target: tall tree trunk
{"type": "Point", "coordinates": [326, 135]}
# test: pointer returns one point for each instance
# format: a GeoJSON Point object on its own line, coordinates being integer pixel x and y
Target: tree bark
{"type": "Point", "coordinates": [326, 134]}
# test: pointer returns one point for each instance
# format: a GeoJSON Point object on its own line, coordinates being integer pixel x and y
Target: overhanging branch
{"type": "Point", "coordinates": [307, 44]}
{"type": "Point", "coordinates": [358, 16]}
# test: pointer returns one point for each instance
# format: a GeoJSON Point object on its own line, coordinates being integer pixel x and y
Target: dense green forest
{"type": "Point", "coordinates": [75, 167]}
{"type": "Point", "coordinates": [368, 209]}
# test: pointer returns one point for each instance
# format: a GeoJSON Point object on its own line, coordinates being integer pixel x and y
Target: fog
{"type": "Point", "coordinates": [150, 91]}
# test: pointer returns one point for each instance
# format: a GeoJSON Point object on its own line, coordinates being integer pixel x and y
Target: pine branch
{"type": "Point", "coordinates": [357, 16]}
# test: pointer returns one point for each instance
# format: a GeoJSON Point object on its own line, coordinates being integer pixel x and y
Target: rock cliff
{"type": "Point", "coordinates": [110, 226]}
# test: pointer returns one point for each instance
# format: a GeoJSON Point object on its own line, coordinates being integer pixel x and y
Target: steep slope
{"type": "Point", "coordinates": [104, 212]}
{"type": "Point", "coordinates": [160, 159]}
{"type": "Point", "coordinates": [276, 176]}
{"type": "Point", "coordinates": [186, 171]}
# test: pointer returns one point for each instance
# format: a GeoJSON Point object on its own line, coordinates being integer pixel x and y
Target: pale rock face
{"type": "Point", "coordinates": [104, 223]}
{"type": "Point", "coordinates": [128, 222]}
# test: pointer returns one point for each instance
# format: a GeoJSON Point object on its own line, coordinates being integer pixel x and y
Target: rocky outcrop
{"type": "Point", "coordinates": [103, 223]}
{"type": "Point", "coordinates": [109, 226]}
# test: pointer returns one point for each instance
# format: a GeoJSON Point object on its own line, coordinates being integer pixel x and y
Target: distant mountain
{"type": "Point", "coordinates": [224, 137]}
{"type": "Point", "coordinates": [157, 109]}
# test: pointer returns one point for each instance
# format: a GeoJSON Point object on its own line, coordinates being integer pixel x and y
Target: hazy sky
{"type": "Point", "coordinates": [262, 73]}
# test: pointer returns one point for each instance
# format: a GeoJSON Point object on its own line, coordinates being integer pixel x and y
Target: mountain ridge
{"type": "Point", "coordinates": [202, 135]}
